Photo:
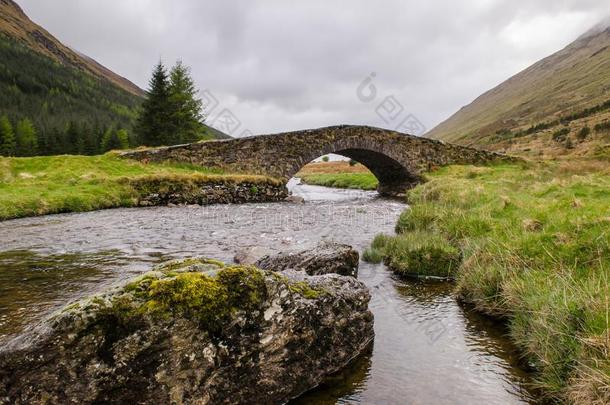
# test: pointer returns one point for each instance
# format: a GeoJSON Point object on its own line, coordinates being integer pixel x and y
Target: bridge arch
{"type": "Point", "coordinates": [393, 176]}
{"type": "Point", "coordinates": [396, 159]}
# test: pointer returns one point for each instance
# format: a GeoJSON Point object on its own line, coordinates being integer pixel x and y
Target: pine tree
{"type": "Point", "coordinates": [185, 108]}
{"type": "Point", "coordinates": [72, 141]}
{"type": "Point", "coordinates": [153, 127]}
{"type": "Point", "coordinates": [122, 138]}
{"type": "Point", "coordinates": [26, 139]}
{"type": "Point", "coordinates": [90, 139]}
{"type": "Point", "coordinates": [7, 137]}
{"type": "Point", "coordinates": [55, 142]}
{"type": "Point", "coordinates": [113, 140]}
{"type": "Point", "coordinates": [106, 143]}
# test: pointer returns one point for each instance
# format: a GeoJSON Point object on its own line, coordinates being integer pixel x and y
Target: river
{"type": "Point", "coordinates": [428, 349]}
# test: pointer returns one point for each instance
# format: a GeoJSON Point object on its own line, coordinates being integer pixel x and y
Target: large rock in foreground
{"type": "Point", "coordinates": [197, 332]}
{"type": "Point", "coordinates": [326, 258]}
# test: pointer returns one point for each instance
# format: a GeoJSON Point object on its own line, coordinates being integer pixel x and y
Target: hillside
{"type": "Point", "coordinates": [15, 24]}
{"type": "Point", "coordinates": [540, 108]}
{"type": "Point", "coordinates": [69, 100]}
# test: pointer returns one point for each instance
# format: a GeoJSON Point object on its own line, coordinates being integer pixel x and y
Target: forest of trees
{"type": "Point", "coordinates": [49, 109]}
{"type": "Point", "coordinates": [20, 138]}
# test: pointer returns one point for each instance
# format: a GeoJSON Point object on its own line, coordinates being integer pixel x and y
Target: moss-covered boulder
{"type": "Point", "coordinates": [192, 331]}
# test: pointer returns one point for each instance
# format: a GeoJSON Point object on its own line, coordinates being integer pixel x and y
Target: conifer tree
{"type": "Point", "coordinates": [72, 140]}
{"type": "Point", "coordinates": [153, 127]}
{"type": "Point", "coordinates": [91, 140]}
{"type": "Point", "coordinates": [186, 118]}
{"type": "Point", "coordinates": [26, 139]}
{"type": "Point", "coordinates": [122, 138]}
{"type": "Point", "coordinates": [7, 137]}
{"type": "Point", "coordinates": [113, 140]}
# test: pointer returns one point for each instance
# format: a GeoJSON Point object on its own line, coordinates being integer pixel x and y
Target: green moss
{"type": "Point", "coordinates": [279, 277]}
{"type": "Point", "coordinates": [190, 264]}
{"type": "Point", "coordinates": [299, 287]}
{"type": "Point", "coordinates": [71, 307]}
{"type": "Point", "coordinates": [245, 286]}
{"type": "Point", "coordinates": [173, 290]}
{"type": "Point", "coordinates": [304, 289]}
{"type": "Point", "coordinates": [191, 295]}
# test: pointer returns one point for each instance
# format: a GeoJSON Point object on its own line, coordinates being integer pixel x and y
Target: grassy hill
{"type": "Point", "coordinates": [543, 109]}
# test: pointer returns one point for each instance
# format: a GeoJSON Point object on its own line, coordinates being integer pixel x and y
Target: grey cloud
{"type": "Point", "coordinates": [282, 65]}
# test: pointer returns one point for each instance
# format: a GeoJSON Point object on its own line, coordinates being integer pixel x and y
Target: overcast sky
{"type": "Point", "coordinates": [285, 65]}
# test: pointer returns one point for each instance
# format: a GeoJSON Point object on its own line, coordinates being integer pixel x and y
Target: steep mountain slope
{"type": "Point", "coordinates": [16, 25]}
{"type": "Point", "coordinates": [69, 100]}
{"type": "Point", "coordinates": [552, 93]}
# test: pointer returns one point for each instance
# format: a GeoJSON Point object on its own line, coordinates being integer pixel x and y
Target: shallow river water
{"type": "Point", "coordinates": [427, 349]}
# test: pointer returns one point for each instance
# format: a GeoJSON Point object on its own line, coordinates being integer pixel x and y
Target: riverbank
{"type": "Point", "coordinates": [361, 181]}
{"type": "Point", "coordinates": [57, 184]}
{"type": "Point", "coordinates": [530, 245]}
{"type": "Point", "coordinates": [338, 175]}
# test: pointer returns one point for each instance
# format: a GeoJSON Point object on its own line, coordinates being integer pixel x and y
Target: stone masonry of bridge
{"type": "Point", "coordinates": [396, 159]}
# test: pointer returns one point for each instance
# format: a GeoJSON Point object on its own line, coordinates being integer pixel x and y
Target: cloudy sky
{"type": "Point", "coordinates": [283, 65]}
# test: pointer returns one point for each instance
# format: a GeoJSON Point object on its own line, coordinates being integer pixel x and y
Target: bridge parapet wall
{"type": "Point", "coordinates": [396, 159]}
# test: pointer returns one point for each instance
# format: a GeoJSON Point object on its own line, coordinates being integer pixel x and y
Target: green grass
{"type": "Point", "coordinates": [363, 181]}
{"type": "Point", "coordinates": [534, 244]}
{"type": "Point", "coordinates": [55, 184]}
{"type": "Point", "coordinates": [416, 254]}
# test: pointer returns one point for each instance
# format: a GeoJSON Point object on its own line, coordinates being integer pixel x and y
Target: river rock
{"type": "Point", "coordinates": [192, 332]}
{"type": "Point", "coordinates": [295, 199]}
{"type": "Point", "coordinates": [326, 258]}
{"type": "Point", "coordinates": [251, 255]}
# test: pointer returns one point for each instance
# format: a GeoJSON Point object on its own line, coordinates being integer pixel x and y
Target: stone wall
{"type": "Point", "coordinates": [176, 190]}
{"type": "Point", "coordinates": [396, 159]}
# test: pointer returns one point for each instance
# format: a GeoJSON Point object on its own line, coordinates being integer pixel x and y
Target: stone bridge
{"type": "Point", "coordinates": [396, 159]}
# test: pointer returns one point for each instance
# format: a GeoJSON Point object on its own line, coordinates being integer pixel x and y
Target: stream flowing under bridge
{"type": "Point", "coordinates": [396, 159]}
